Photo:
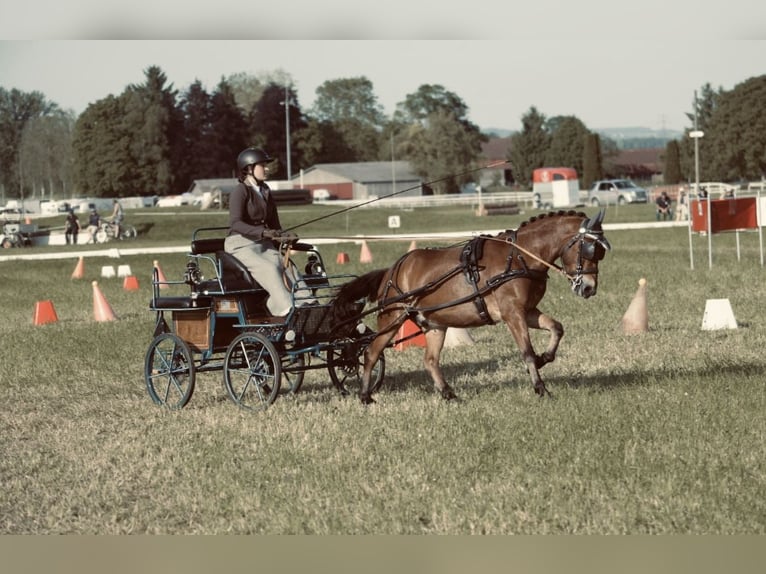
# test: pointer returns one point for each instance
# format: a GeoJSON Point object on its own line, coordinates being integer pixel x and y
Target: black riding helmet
{"type": "Point", "coordinates": [251, 156]}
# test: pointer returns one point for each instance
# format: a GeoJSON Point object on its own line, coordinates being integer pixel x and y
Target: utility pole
{"type": "Point", "coordinates": [287, 128]}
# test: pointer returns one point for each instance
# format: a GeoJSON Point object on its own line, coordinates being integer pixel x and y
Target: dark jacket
{"type": "Point", "coordinates": [250, 213]}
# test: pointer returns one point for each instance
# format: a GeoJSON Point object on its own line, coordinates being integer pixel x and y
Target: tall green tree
{"type": "Point", "coordinates": [352, 107]}
{"type": "Point", "coordinates": [736, 145]}
{"type": "Point", "coordinates": [593, 169]}
{"type": "Point", "coordinates": [17, 108]}
{"type": "Point", "coordinates": [197, 160]}
{"type": "Point", "coordinates": [269, 123]}
{"type": "Point", "coordinates": [101, 149]}
{"type": "Point", "coordinates": [529, 146]}
{"type": "Point", "coordinates": [672, 172]}
{"type": "Point", "coordinates": [45, 154]}
{"type": "Point", "coordinates": [567, 142]}
{"type": "Point", "coordinates": [431, 129]}
{"type": "Point", "coordinates": [442, 152]}
{"type": "Point", "coordinates": [705, 106]}
{"type": "Point", "coordinates": [150, 115]}
{"type": "Point", "coordinates": [230, 131]}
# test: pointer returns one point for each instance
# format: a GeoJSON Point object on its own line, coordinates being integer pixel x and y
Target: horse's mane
{"type": "Point", "coordinates": [551, 214]}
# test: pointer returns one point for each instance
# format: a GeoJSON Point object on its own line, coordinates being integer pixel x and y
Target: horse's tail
{"type": "Point", "coordinates": [348, 297]}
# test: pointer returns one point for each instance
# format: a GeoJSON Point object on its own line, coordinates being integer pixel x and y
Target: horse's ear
{"type": "Point", "coordinates": [595, 222]}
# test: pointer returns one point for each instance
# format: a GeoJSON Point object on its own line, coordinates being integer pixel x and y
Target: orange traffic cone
{"type": "Point", "coordinates": [130, 283]}
{"type": "Point", "coordinates": [45, 313]}
{"type": "Point", "coordinates": [636, 318]}
{"type": "Point", "coordinates": [365, 256]}
{"type": "Point", "coordinates": [161, 276]}
{"type": "Point", "coordinates": [79, 269]}
{"type": "Point", "coordinates": [413, 246]}
{"type": "Point", "coordinates": [409, 328]}
{"type": "Point", "coordinates": [342, 258]}
{"type": "Point", "coordinates": [102, 311]}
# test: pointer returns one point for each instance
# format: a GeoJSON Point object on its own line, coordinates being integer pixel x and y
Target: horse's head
{"type": "Point", "coordinates": [582, 254]}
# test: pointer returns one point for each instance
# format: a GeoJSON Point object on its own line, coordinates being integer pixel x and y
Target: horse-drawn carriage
{"type": "Point", "coordinates": [223, 324]}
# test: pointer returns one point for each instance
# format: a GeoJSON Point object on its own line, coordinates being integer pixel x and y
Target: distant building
{"type": "Point", "coordinates": [361, 180]}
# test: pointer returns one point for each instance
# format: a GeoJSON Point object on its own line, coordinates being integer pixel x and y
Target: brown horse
{"type": "Point", "coordinates": [480, 282]}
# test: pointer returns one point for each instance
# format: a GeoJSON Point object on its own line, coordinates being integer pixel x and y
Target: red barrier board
{"type": "Point", "coordinates": [725, 215]}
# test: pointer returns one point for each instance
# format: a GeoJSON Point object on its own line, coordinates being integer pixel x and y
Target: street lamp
{"type": "Point", "coordinates": [696, 134]}
{"type": "Point", "coordinates": [287, 103]}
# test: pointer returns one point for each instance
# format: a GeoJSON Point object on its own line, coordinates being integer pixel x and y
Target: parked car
{"type": "Point", "coordinates": [616, 191]}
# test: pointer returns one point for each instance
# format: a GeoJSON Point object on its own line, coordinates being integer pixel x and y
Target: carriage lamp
{"type": "Point", "coordinates": [192, 275]}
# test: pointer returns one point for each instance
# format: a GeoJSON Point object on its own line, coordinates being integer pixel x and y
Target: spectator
{"type": "Point", "coordinates": [94, 222]}
{"type": "Point", "coordinates": [682, 209]}
{"type": "Point", "coordinates": [664, 202]}
{"type": "Point", "coordinates": [72, 227]}
{"type": "Point", "coordinates": [117, 216]}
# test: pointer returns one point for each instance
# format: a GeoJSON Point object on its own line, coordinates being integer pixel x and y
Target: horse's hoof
{"type": "Point", "coordinates": [367, 400]}
{"type": "Point", "coordinates": [542, 393]}
{"type": "Point", "coordinates": [448, 395]}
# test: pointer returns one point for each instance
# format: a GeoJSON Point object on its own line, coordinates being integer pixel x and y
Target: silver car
{"type": "Point", "coordinates": [616, 191]}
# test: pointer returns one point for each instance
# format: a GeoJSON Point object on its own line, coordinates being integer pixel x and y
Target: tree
{"type": "Point", "coordinates": [17, 108]}
{"type": "Point", "coordinates": [229, 131]}
{"type": "Point", "coordinates": [442, 152]}
{"type": "Point", "coordinates": [735, 146]}
{"type": "Point", "coordinates": [350, 105]}
{"type": "Point", "coordinates": [101, 149]}
{"type": "Point", "coordinates": [431, 129]}
{"type": "Point", "coordinates": [428, 99]}
{"type": "Point", "coordinates": [45, 152]}
{"type": "Point", "coordinates": [705, 105]}
{"type": "Point", "coordinates": [528, 147]}
{"type": "Point", "coordinates": [268, 122]}
{"type": "Point", "coordinates": [672, 172]}
{"type": "Point", "coordinates": [592, 168]}
{"type": "Point", "coordinates": [194, 150]}
{"type": "Point", "coordinates": [567, 142]}
{"type": "Point", "coordinates": [248, 89]}
{"type": "Point", "coordinates": [150, 113]}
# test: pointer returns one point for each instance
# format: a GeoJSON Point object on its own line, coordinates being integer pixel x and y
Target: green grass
{"type": "Point", "coordinates": [659, 433]}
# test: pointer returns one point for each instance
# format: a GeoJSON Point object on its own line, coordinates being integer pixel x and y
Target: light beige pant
{"type": "Point", "coordinates": [266, 265]}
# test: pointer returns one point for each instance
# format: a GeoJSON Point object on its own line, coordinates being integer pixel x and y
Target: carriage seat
{"type": "Point", "coordinates": [234, 275]}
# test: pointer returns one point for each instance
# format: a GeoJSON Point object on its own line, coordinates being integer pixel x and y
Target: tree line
{"type": "Point", "coordinates": [154, 140]}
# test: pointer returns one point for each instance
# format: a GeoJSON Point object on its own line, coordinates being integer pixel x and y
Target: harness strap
{"type": "Point", "coordinates": [469, 259]}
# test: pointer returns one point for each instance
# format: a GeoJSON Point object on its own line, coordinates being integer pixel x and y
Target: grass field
{"type": "Point", "coordinates": [658, 433]}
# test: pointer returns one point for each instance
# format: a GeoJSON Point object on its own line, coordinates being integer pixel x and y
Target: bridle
{"type": "Point", "coordinates": [593, 250]}
{"type": "Point", "coordinates": [592, 246]}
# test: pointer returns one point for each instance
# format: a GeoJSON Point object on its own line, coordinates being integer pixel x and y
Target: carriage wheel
{"type": "Point", "coordinates": [294, 380]}
{"type": "Point", "coordinates": [346, 365]}
{"type": "Point", "coordinates": [129, 232]}
{"type": "Point", "coordinates": [102, 236]}
{"type": "Point", "coordinates": [252, 371]}
{"type": "Point", "coordinates": [169, 371]}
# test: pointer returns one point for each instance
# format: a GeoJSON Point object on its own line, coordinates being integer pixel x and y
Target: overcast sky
{"type": "Point", "coordinates": [607, 75]}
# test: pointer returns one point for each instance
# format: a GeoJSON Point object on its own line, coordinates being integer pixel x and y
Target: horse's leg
{"type": "Point", "coordinates": [516, 321]}
{"type": "Point", "coordinates": [538, 320]}
{"type": "Point", "coordinates": [434, 344]}
{"type": "Point", "coordinates": [387, 329]}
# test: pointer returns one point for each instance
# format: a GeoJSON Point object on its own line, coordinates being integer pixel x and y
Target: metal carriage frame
{"type": "Point", "coordinates": [222, 324]}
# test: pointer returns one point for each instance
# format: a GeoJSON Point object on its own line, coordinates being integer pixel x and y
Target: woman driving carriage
{"type": "Point", "coordinates": [255, 231]}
